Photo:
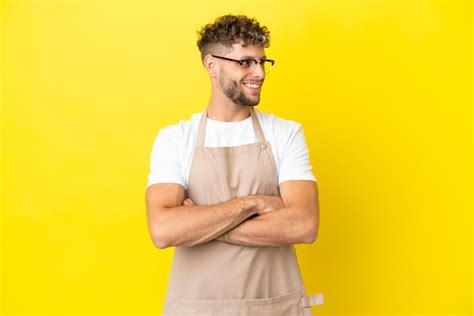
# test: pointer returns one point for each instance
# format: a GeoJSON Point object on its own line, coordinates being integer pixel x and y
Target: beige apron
{"type": "Point", "coordinates": [216, 278]}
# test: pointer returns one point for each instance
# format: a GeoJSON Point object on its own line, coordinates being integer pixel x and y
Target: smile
{"type": "Point", "coordinates": [252, 85]}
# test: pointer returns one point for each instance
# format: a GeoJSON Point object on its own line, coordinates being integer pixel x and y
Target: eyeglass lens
{"type": "Point", "coordinates": [251, 63]}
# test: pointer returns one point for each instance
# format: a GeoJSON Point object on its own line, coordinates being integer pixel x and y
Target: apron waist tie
{"type": "Point", "coordinates": [310, 300]}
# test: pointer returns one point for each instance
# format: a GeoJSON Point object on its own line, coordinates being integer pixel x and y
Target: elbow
{"type": "Point", "coordinates": [159, 232]}
{"type": "Point", "coordinates": [310, 237]}
{"type": "Point", "coordinates": [310, 233]}
{"type": "Point", "coordinates": [160, 241]}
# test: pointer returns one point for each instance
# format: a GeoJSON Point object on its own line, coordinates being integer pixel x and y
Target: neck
{"type": "Point", "coordinates": [220, 108]}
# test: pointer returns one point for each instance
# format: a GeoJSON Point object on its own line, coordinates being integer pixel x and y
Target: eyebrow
{"type": "Point", "coordinates": [252, 57]}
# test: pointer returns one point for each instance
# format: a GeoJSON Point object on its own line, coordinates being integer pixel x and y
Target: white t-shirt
{"type": "Point", "coordinates": [173, 148]}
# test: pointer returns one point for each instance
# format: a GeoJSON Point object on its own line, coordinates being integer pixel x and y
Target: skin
{"type": "Point", "coordinates": [253, 220]}
{"type": "Point", "coordinates": [226, 74]}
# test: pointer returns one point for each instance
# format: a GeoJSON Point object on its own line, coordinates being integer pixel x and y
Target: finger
{"type": "Point", "coordinates": [188, 202]}
{"type": "Point", "coordinates": [266, 210]}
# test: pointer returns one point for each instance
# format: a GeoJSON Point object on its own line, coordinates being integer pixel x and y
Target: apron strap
{"type": "Point", "coordinates": [256, 127]}
{"type": "Point", "coordinates": [201, 129]}
{"type": "Point", "coordinates": [310, 300]}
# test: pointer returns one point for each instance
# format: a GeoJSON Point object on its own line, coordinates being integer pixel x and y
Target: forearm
{"type": "Point", "coordinates": [194, 224]}
{"type": "Point", "coordinates": [277, 228]}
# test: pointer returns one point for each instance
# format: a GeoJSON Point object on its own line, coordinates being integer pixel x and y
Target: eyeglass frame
{"type": "Point", "coordinates": [240, 61]}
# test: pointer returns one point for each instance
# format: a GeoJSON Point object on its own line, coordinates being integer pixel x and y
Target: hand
{"type": "Point", "coordinates": [267, 203]}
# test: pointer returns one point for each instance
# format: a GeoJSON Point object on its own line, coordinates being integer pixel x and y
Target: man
{"type": "Point", "coordinates": [232, 190]}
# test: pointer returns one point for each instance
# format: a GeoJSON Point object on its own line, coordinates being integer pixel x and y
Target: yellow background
{"type": "Point", "coordinates": [382, 88]}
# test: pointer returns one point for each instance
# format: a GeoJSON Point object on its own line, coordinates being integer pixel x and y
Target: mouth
{"type": "Point", "coordinates": [253, 87]}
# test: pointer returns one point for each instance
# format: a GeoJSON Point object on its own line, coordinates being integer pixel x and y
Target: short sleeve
{"type": "Point", "coordinates": [295, 163]}
{"type": "Point", "coordinates": [165, 159]}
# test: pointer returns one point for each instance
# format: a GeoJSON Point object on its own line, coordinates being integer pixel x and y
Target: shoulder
{"type": "Point", "coordinates": [182, 129]}
{"type": "Point", "coordinates": [281, 127]}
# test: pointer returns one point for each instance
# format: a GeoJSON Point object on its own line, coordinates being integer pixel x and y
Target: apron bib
{"type": "Point", "coordinates": [216, 278]}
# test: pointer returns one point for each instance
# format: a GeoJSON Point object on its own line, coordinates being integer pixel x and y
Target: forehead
{"type": "Point", "coordinates": [241, 50]}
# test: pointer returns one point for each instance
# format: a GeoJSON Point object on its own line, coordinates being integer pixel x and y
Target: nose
{"type": "Point", "coordinates": [258, 71]}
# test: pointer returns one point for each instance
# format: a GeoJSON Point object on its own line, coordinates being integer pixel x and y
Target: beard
{"type": "Point", "coordinates": [234, 91]}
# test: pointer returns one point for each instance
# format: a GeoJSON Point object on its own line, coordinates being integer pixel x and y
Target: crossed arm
{"type": "Point", "coordinates": [253, 220]}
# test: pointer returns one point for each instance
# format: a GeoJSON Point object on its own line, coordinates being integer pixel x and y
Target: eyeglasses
{"type": "Point", "coordinates": [250, 63]}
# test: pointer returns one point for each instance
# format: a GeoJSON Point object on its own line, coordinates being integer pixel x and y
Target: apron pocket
{"type": "Point", "coordinates": [285, 305]}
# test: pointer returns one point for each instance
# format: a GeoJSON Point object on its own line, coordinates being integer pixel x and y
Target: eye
{"type": "Point", "coordinates": [246, 63]}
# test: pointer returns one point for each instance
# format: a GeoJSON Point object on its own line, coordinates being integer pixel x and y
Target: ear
{"type": "Point", "coordinates": [211, 65]}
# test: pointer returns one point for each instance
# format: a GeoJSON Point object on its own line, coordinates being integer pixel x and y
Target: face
{"type": "Point", "coordinates": [242, 86]}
